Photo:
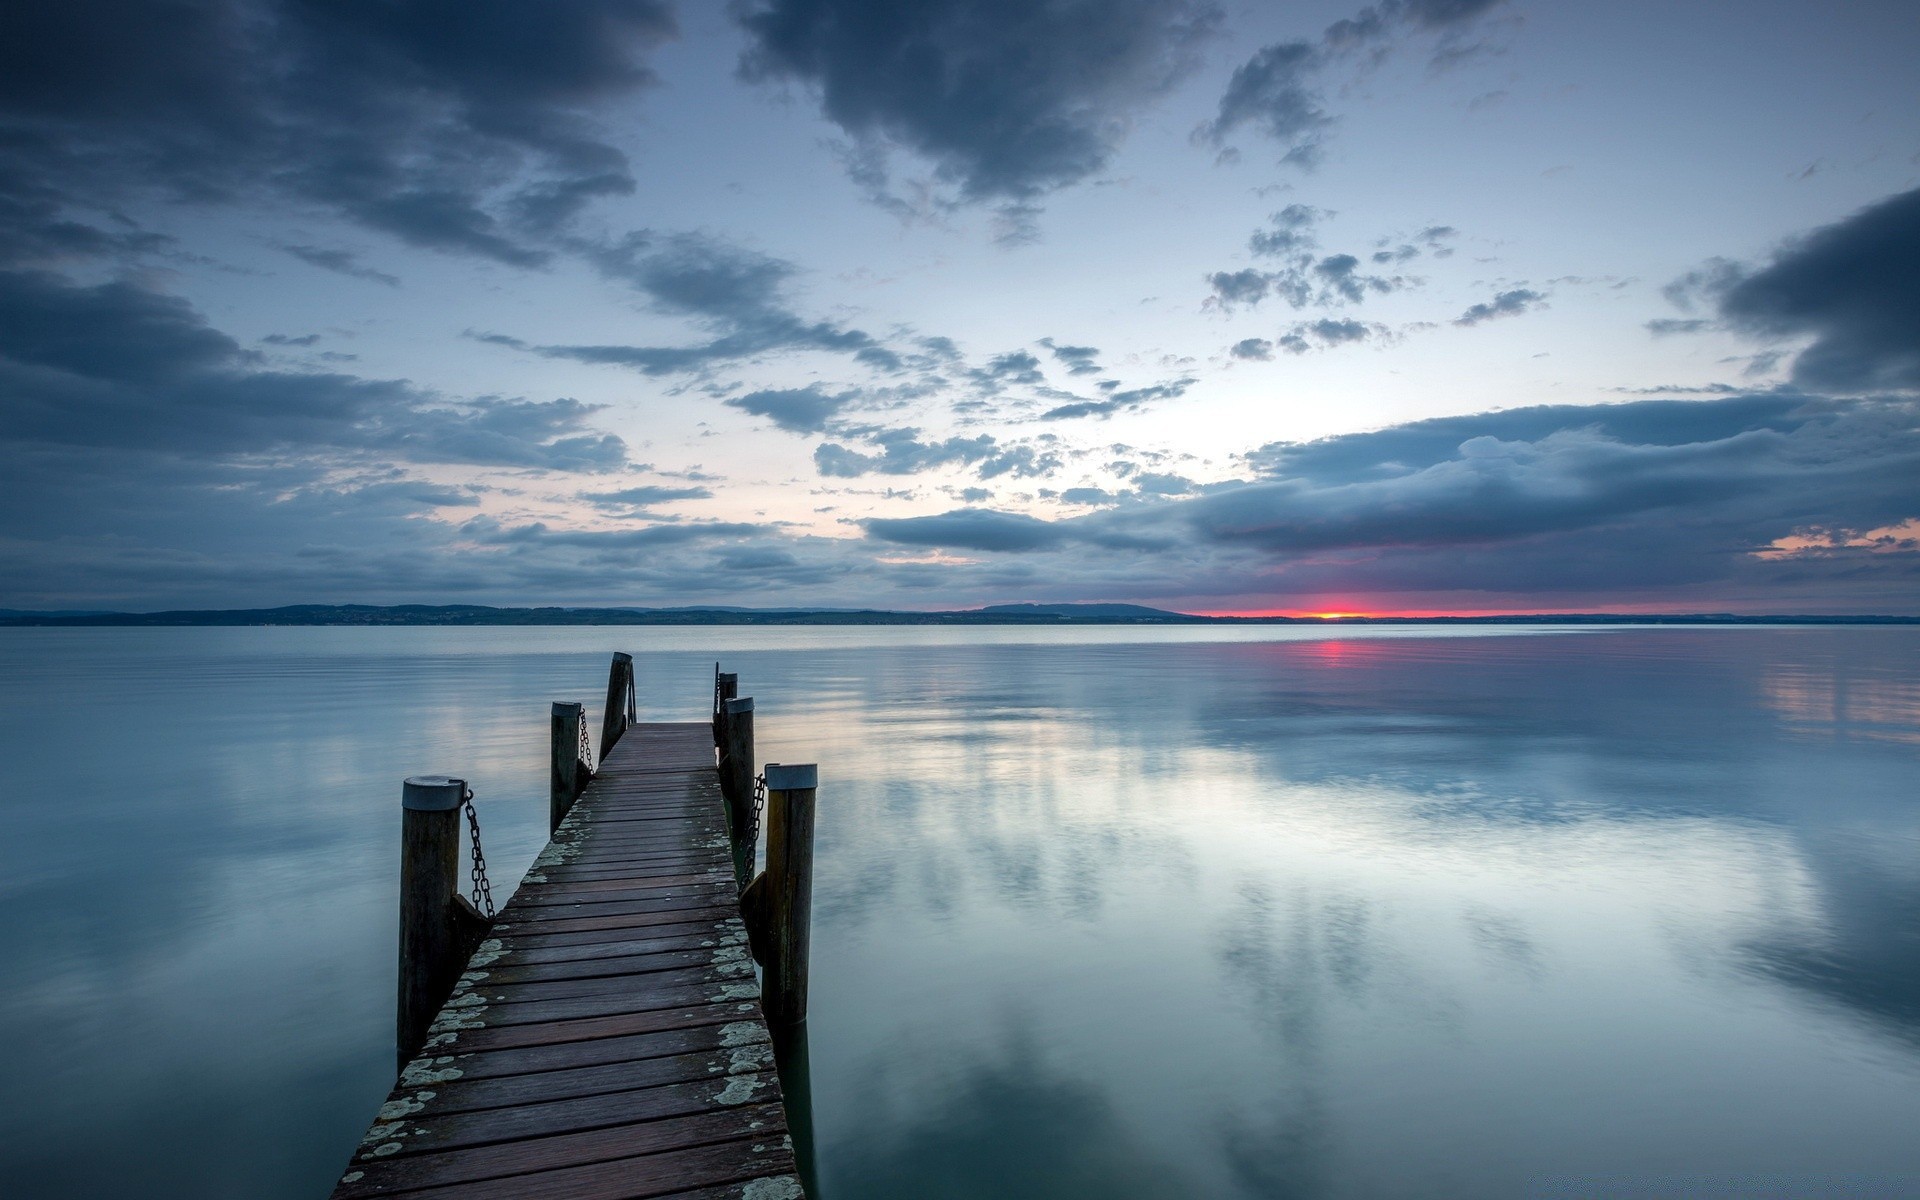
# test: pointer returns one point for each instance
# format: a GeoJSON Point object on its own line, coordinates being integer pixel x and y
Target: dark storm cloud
{"type": "Point", "coordinates": [1854, 286]}
{"type": "Point", "coordinates": [736, 293]}
{"type": "Point", "coordinates": [1510, 303]}
{"type": "Point", "coordinates": [120, 365]}
{"type": "Point", "coordinates": [451, 124]}
{"type": "Point", "coordinates": [1600, 497]}
{"type": "Point", "coordinates": [1005, 99]}
{"type": "Point", "coordinates": [1280, 93]}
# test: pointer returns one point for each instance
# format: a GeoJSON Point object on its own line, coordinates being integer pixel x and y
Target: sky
{"type": "Point", "coordinates": [1421, 306]}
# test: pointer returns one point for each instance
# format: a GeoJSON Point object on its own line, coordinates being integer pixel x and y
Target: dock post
{"type": "Point", "coordinates": [569, 774]}
{"type": "Point", "coordinates": [788, 899]}
{"type": "Point", "coordinates": [430, 961]}
{"type": "Point", "coordinates": [726, 686]}
{"type": "Point", "coordinates": [620, 711]}
{"type": "Point", "coordinates": [736, 783]}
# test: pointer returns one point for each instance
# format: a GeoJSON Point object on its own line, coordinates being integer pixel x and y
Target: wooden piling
{"type": "Point", "coordinates": [430, 955]}
{"type": "Point", "coordinates": [788, 894]}
{"type": "Point", "coordinates": [569, 774]}
{"type": "Point", "coordinates": [621, 708]}
{"type": "Point", "coordinates": [736, 783]}
{"type": "Point", "coordinates": [726, 686]}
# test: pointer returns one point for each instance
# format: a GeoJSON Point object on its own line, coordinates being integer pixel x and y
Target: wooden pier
{"type": "Point", "coordinates": [606, 1040]}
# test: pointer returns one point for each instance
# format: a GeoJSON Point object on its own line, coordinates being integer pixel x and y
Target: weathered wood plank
{"type": "Point", "coordinates": [566, 1149]}
{"type": "Point", "coordinates": [491, 1064]}
{"type": "Point", "coordinates": [634, 1178]}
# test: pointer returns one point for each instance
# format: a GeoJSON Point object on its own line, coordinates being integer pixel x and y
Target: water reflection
{"type": "Point", "coordinates": [1008, 1125]}
{"type": "Point", "coordinates": [1391, 918]}
{"type": "Point", "coordinates": [1098, 912]}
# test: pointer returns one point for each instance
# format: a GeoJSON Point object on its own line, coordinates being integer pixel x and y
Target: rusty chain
{"type": "Point", "coordinates": [482, 888]}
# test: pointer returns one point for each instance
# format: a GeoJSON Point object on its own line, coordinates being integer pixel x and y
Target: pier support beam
{"type": "Point", "coordinates": [569, 775]}
{"type": "Point", "coordinates": [787, 899]}
{"type": "Point", "coordinates": [736, 783]}
{"type": "Point", "coordinates": [621, 707]}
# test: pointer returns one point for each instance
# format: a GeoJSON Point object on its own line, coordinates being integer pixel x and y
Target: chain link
{"type": "Point", "coordinates": [482, 888]}
{"type": "Point", "coordinates": [586, 744]}
{"type": "Point", "coordinates": [759, 805]}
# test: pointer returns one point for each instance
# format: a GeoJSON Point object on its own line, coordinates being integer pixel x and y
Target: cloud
{"type": "Point", "coordinates": [1079, 360]}
{"type": "Point", "coordinates": [1509, 303]}
{"type": "Point", "coordinates": [796, 410]}
{"type": "Point", "coordinates": [1431, 240]}
{"type": "Point", "coordinates": [1127, 400]}
{"type": "Point", "coordinates": [968, 529]}
{"type": "Point", "coordinates": [1326, 333]}
{"type": "Point", "coordinates": [736, 293]}
{"type": "Point", "coordinates": [1004, 101]}
{"type": "Point", "coordinates": [901, 451]}
{"type": "Point", "coordinates": [1254, 349]}
{"type": "Point", "coordinates": [1742, 493]}
{"type": "Point", "coordinates": [1292, 232]}
{"type": "Point", "coordinates": [455, 125]}
{"type": "Point", "coordinates": [1276, 93]}
{"type": "Point", "coordinates": [645, 496]}
{"type": "Point", "coordinates": [1674, 327]}
{"type": "Point", "coordinates": [1334, 280]}
{"type": "Point", "coordinates": [1854, 287]}
{"type": "Point", "coordinates": [340, 262]}
{"type": "Point", "coordinates": [120, 365]}
{"type": "Point", "coordinates": [1279, 93]}
{"type": "Point", "coordinates": [1016, 367]}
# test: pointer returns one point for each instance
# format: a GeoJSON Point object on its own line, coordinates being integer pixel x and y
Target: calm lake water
{"type": "Point", "coordinates": [1099, 912]}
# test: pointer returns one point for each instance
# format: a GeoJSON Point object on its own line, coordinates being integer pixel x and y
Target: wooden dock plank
{"type": "Point", "coordinates": [607, 1038]}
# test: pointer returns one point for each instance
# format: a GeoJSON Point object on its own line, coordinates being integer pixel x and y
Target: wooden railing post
{"type": "Point", "coordinates": [569, 774]}
{"type": "Point", "coordinates": [430, 958]}
{"type": "Point", "coordinates": [736, 783]}
{"type": "Point", "coordinates": [788, 897]}
{"type": "Point", "coordinates": [619, 712]}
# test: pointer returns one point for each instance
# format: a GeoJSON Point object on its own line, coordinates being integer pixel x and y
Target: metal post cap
{"type": "Point", "coordinates": [743, 705]}
{"type": "Point", "coordinates": [792, 777]}
{"type": "Point", "coordinates": [432, 793]}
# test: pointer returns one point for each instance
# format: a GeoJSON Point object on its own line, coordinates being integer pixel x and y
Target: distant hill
{"type": "Point", "coordinates": [1087, 612]}
{"type": "Point", "coordinates": [997, 614]}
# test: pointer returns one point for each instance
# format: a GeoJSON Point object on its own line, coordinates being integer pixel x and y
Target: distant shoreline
{"type": "Point", "coordinates": [350, 615]}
